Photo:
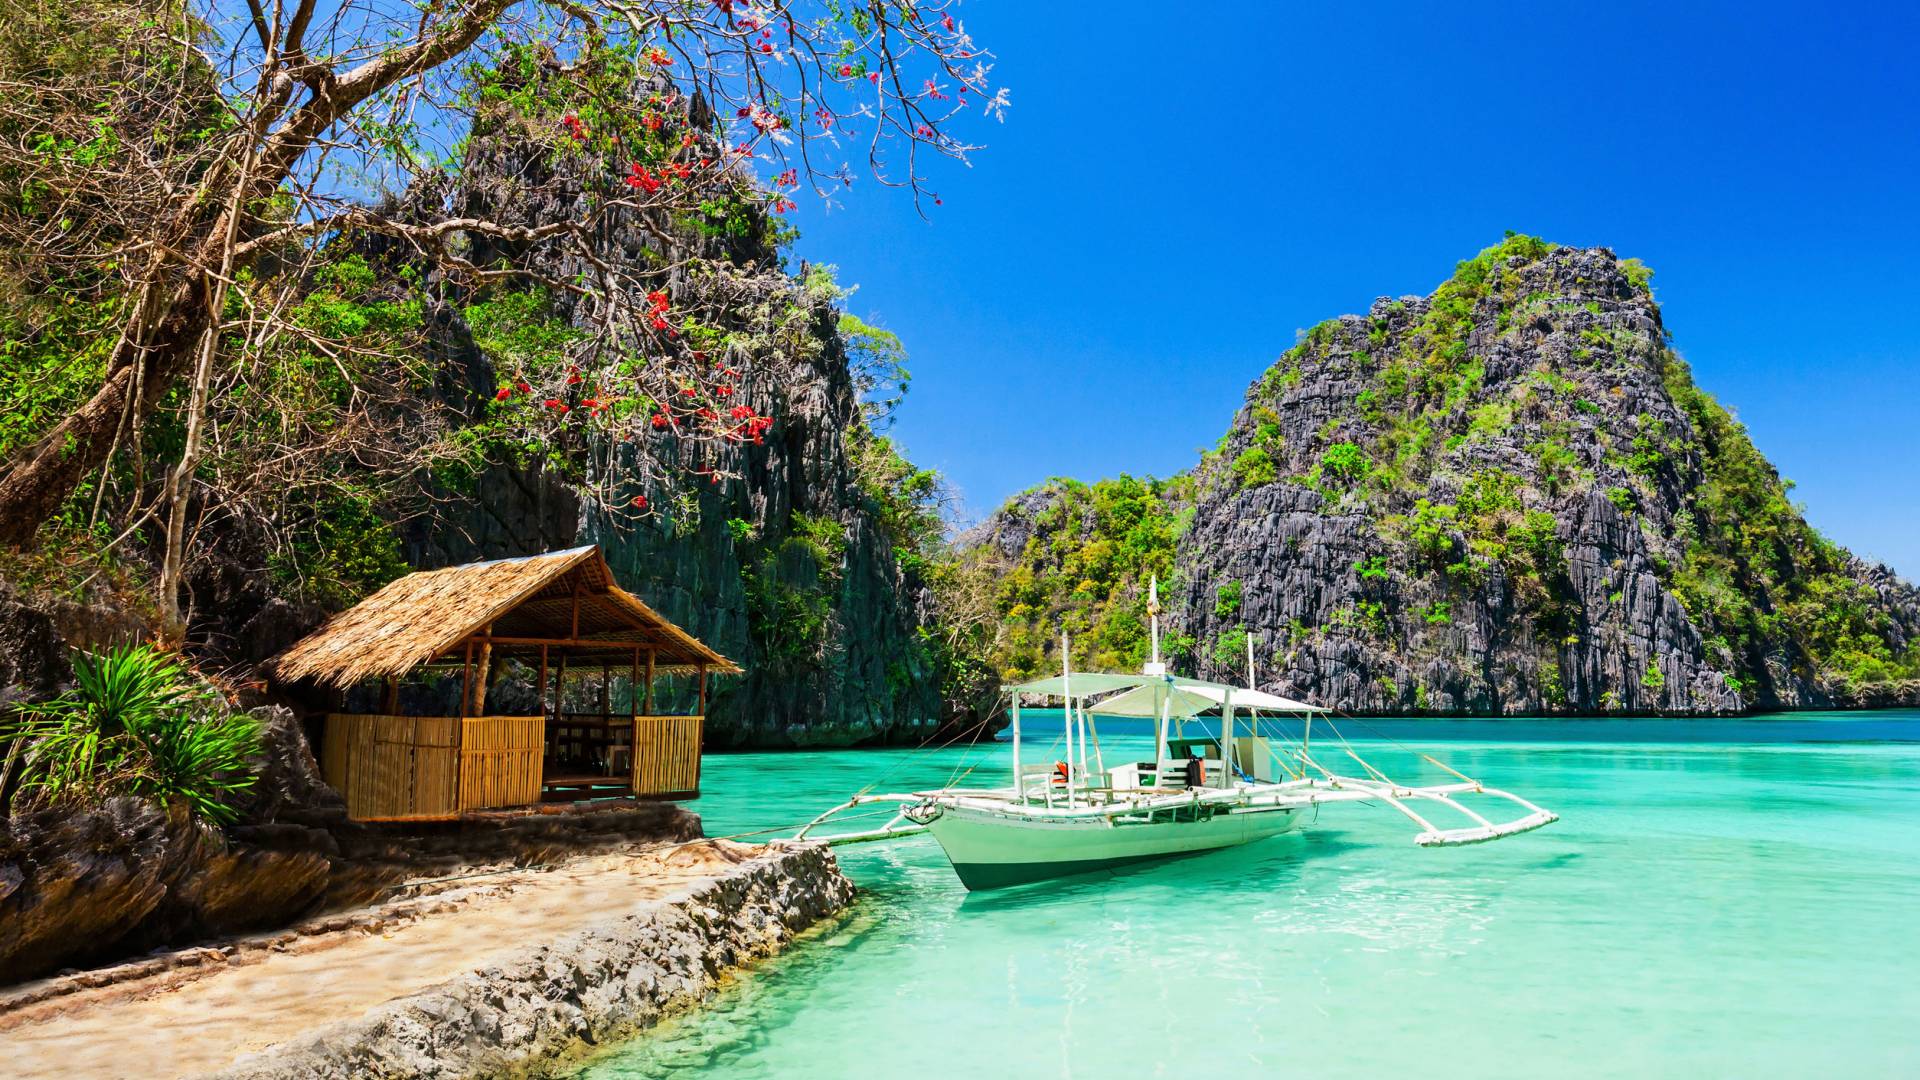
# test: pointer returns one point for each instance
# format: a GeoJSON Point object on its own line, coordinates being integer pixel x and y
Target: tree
{"type": "Point", "coordinates": [185, 161]}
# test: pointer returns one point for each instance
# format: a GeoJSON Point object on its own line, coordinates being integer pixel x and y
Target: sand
{"type": "Point", "coordinates": [185, 1022]}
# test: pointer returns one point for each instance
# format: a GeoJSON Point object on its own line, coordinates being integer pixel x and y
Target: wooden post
{"type": "Point", "coordinates": [633, 684]}
{"type": "Point", "coordinates": [703, 689]}
{"type": "Point", "coordinates": [390, 701]}
{"type": "Point", "coordinates": [480, 683]}
{"type": "Point", "coordinates": [543, 680]}
{"type": "Point", "coordinates": [651, 655]}
{"type": "Point", "coordinates": [466, 679]}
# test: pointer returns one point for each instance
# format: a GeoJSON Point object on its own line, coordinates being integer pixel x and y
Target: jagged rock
{"type": "Point", "coordinates": [32, 663]}
{"type": "Point", "coordinates": [1582, 488]}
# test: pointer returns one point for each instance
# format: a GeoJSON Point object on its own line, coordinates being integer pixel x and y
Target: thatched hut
{"type": "Point", "coordinates": [553, 613]}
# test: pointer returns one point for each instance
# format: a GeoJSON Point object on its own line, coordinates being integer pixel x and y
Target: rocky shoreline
{"type": "Point", "coordinates": [665, 929]}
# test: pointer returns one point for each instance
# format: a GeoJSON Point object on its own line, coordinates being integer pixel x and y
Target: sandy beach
{"type": "Point", "coordinates": [190, 1021]}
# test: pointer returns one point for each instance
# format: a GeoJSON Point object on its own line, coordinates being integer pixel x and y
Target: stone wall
{"type": "Point", "coordinates": [538, 1012]}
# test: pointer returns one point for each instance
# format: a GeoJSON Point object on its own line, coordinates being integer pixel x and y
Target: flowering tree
{"type": "Point", "coordinates": [211, 159]}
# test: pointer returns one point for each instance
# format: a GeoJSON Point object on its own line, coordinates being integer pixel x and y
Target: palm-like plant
{"type": "Point", "coordinates": [134, 724]}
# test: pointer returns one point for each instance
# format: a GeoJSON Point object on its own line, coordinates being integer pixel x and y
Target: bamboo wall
{"type": "Point", "coordinates": [397, 767]}
{"type": "Point", "coordinates": [394, 766]}
{"type": "Point", "coordinates": [666, 755]}
{"type": "Point", "coordinates": [500, 761]}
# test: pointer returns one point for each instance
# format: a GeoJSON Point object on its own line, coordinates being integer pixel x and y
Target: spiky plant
{"type": "Point", "coordinates": [135, 723]}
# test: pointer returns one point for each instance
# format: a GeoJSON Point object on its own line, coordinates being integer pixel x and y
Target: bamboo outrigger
{"type": "Point", "coordinates": [560, 613]}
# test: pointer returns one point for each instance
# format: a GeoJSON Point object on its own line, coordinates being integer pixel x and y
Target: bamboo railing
{"type": "Point", "coordinates": [666, 755]}
{"type": "Point", "coordinates": [392, 768]}
{"type": "Point", "coordinates": [500, 759]}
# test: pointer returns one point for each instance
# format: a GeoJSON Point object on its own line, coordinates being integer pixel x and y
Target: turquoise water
{"type": "Point", "coordinates": [1720, 899]}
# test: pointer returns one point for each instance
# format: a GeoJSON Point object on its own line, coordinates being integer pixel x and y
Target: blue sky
{"type": "Point", "coordinates": [1173, 196]}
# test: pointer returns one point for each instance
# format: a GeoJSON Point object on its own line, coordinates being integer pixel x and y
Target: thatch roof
{"type": "Point", "coordinates": [566, 598]}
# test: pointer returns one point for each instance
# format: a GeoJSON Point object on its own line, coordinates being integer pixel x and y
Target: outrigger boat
{"type": "Point", "coordinates": [1214, 789]}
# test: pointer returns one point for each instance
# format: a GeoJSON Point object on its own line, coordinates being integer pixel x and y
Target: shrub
{"type": "Point", "coordinates": [1344, 462]}
{"type": "Point", "coordinates": [134, 724]}
{"type": "Point", "coordinates": [1432, 528]}
{"type": "Point", "coordinates": [1230, 651]}
{"type": "Point", "coordinates": [1226, 599]}
{"type": "Point", "coordinates": [1255, 467]}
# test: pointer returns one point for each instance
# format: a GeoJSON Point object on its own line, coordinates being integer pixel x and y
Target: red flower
{"type": "Point", "coordinates": [556, 405]}
{"type": "Point", "coordinates": [873, 77]}
{"type": "Point", "coordinates": [790, 178]}
{"type": "Point", "coordinates": [659, 420]}
{"type": "Point", "coordinates": [724, 391]}
{"type": "Point", "coordinates": [573, 378]}
{"type": "Point", "coordinates": [523, 388]}
{"type": "Point", "coordinates": [659, 300]}
{"type": "Point", "coordinates": [687, 390]}
{"type": "Point", "coordinates": [594, 404]}
{"type": "Point", "coordinates": [658, 57]}
{"type": "Point", "coordinates": [505, 393]}
{"type": "Point", "coordinates": [639, 177]}
{"type": "Point", "coordinates": [766, 46]}
{"type": "Point", "coordinates": [574, 128]}
{"type": "Point", "coordinates": [639, 502]}
{"type": "Point", "coordinates": [947, 21]}
{"type": "Point", "coordinates": [741, 412]}
{"type": "Point", "coordinates": [846, 70]}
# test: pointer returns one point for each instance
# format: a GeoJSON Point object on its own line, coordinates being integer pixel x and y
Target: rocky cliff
{"type": "Point", "coordinates": [1506, 497]}
{"type": "Point", "coordinates": [783, 561]}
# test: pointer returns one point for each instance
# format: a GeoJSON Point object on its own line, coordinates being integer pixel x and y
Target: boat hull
{"type": "Point", "coordinates": [991, 850]}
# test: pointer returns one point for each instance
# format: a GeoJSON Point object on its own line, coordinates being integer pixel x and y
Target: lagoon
{"type": "Point", "coordinates": [1721, 898]}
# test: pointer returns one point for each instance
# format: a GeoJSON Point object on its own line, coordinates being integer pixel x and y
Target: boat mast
{"type": "Point", "coordinates": [1066, 691]}
{"type": "Point", "coordinates": [1155, 667]}
{"type": "Point", "coordinates": [1019, 782]}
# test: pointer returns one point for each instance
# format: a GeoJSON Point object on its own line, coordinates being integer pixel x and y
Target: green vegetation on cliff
{"type": "Point", "coordinates": [1084, 570]}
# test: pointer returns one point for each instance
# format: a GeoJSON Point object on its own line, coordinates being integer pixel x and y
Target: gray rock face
{"type": "Point", "coordinates": [1509, 498]}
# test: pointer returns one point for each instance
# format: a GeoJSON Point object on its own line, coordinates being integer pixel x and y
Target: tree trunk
{"type": "Point", "coordinates": [141, 369]}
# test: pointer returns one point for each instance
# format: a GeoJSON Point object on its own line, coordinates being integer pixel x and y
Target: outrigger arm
{"type": "Point", "coordinates": [917, 808]}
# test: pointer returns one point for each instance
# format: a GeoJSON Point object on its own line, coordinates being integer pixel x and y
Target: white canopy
{"type": "Point", "coordinates": [1084, 684]}
{"type": "Point", "coordinates": [1244, 698]}
{"type": "Point", "coordinates": [1142, 701]}
{"type": "Point", "coordinates": [1185, 697]}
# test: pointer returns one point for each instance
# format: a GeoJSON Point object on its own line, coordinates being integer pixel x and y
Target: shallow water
{"type": "Point", "coordinates": [1721, 898]}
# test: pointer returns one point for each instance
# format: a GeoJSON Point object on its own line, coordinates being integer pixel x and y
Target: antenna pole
{"type": "Point", "coordinates": [1066, 691]}
{"type": "Point", "coordinates": [1153, 614]}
